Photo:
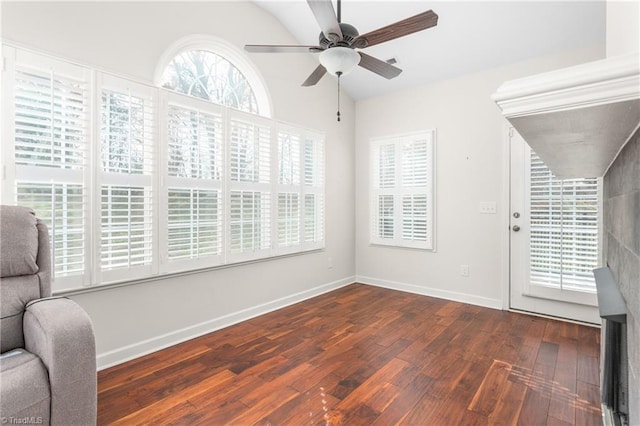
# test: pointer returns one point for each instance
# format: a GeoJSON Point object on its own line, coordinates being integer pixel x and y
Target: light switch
{"type": "Point", "coordinates": [488, 207]}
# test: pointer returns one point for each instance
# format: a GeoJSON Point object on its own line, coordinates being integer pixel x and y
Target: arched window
{"type": "Point", "coordinates": [212, 69]}
{"type": "Point", "coordinates": [208, 76]}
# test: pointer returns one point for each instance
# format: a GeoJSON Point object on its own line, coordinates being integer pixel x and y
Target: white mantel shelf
{"type": "Point", "coordinates": [578, 118]}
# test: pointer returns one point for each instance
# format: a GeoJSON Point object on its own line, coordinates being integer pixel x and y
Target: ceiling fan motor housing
{"type": "Point", "coordinates": [349, 35]}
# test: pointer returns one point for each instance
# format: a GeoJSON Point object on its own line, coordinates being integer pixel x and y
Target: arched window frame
{"type": "Point", "coordinates": [229, 52]}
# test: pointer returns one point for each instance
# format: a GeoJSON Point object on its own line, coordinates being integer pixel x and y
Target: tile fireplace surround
{"type": "Point", "coordinates": [622, 252]}
{"type": "Point", "coordinates": [614, 380]}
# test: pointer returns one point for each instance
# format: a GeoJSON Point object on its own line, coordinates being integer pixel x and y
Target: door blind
{"type": "Point", "coordinates": [564, 242]}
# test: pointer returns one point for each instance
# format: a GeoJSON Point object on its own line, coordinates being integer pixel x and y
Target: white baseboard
{"type": "Point", "coordinates": [433, 292]}
{"type": "Point", "coordinates": [129, 352]}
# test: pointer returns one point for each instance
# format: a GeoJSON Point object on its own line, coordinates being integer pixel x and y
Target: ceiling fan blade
{"type": "Point", "coordinates": [326, 17]}
{"type": "Point", "coordinates": [379, 67]}
{"type": "Point", "coordinates": [399, 29]}
{"type": "Point", "coordinates": [281, 48]}
{"type": "Point", "coordinates": [315, 76]}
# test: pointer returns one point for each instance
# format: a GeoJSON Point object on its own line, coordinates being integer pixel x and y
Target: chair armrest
{"type": "Point", "coordinates": [59, 331]}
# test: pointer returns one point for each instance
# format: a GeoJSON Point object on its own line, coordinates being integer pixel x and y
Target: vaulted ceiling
{"type": "Point", "coordinates": [470, 35]}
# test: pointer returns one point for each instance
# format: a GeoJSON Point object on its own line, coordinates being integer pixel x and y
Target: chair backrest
{"type": "Point", "coordinates": [25, 270]}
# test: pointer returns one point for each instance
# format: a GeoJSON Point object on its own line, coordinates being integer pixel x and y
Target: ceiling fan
{"type": "Point", "coordinates": [339, 40]}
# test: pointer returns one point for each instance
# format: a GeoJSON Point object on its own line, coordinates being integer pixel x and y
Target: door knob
{"type": "Point", "coordinates": [515, 228]}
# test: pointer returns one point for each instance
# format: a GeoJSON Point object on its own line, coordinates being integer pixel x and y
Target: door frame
{"type": "Point", "coordinates": [505, 226]}
{"type": "Point", "coordinates": [505, 219]}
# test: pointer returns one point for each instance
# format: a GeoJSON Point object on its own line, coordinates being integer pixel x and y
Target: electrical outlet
{"type": "Point", "coordinates": [464, 270]}
{"type": "Point", "coordinates": [488, 207]}
{"type": "Point", "coordinates": [329, 263]}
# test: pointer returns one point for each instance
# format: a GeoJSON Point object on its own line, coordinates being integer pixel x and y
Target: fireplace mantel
{"type": "Point", "coordinates": [578, 118]}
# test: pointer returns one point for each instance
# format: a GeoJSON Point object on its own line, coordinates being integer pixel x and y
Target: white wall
{"type": "Point", "coordinates": [623, 27]}
{"type": "Point", "coordinates": [129, 38]}
{"type": "Point", "coordinates": [470, 169]}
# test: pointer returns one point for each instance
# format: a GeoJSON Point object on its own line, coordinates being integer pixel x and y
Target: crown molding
{"type": "Point", "coordinates": [610, 80]}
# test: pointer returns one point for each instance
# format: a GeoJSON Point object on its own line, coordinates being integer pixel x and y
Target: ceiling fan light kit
{"type": "Point", "coordinates": [339, 60]}
{"type": "Point", "coordinates": [338, 42]}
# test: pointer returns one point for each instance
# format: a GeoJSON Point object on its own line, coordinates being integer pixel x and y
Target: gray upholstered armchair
{"type": "Point", "coordinates": [48, 359]}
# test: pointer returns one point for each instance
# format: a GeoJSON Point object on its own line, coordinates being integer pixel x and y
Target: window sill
{"type": "Point", "coordinates": [395, 246]}
{"type": "Point", "coordinates": [159, 277]}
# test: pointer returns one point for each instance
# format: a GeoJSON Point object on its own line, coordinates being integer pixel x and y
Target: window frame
{"type": "Point", "coordinates": [146, 179]}
{"type": "Point", "coordinates": [397, 193]}
{"type": "Point", "coordinates": [13, 59]}
{"type": "Point", "coordinates": [170, 99]}
{"type": "Point", "coordinates": [300, 187]}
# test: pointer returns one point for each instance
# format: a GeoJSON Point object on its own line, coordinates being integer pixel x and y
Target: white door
{"type": "Point", "coordinates": [555, 238]}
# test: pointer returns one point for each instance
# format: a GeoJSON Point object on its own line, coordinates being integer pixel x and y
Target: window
{"type": "Point", "coordinates": [250, 188]}
{"type": "Point", "coordinates": [135, 180]}
{"type": "Point", "coordinates": [127, 136]}
{"type": "Point", "coordinates": [564, 229]}
{"type": "Point", "coordinates": [50, 103]}
{"type": "Point", "coordinates": [300, 205]}
{"type": "Point", "coordinates": [402, 171]}
{"type": "Point", "coordinates": [195, 171]}
{"type": "Point", "coordinates": [205, 75]}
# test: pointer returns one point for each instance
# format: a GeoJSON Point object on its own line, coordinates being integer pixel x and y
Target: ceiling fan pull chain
{"type": "Point", "coordinates": [338, 74]}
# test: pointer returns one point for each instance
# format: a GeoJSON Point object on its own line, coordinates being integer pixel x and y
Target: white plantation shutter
{"type": "Point", "coordinates": [414, 217]}
{"type": "Point", "coordinates": [313, 220]}
{"type": "Point", "coordinates": [249, 223]}
{"type": "Point", "coordinates": [131, 187]}
{"type": "Point", "coordinates": [250, 146]}
{"type": "Point", "coordinates": [288, 219]}
{"type": "Point", "coordinates": [196, 142]}
{"type": "Point", "coordinates": [384, 185]}
{"type": "Point", "coordinates": [195, 224]}
{"type": "Point", "coordinates": [402, 170]}
{"type": "Point", "coordinates": [127, 136]}
{"type": "Point", "coordinates": [195, 173]}
{"type": "Point", "coordinates": [250, 187]}
{"type": "Point", "coordinates": [289, 158]}
{"type": "Point", "coordinates": [289, 189]}
{"type": "Point", "coordinates": [416, 158]}
{"type": "Point", "coordinates": [50, 128]}
{"type": "Point", "coordinates": [385, 223]}
{"type": "Point", "coordinates": [62, 207]}
{"type": "Point", "coordinates": [50, 119]}
{"type": "Point", "coordinates": [126, 227]}
{"type": "Point", "coordinates": [313, 191]}
{"type": "Point", "coordinates": [564, 231]}
{"type": "Point", "coordinates": [300, 189]}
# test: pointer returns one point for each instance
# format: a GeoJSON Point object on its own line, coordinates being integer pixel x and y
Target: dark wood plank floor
{"type": "Point", "coordinates": [366, 355]}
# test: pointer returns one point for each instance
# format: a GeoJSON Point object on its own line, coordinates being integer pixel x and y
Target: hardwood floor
{"type": "Point", "coordinates": [366, 355]}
